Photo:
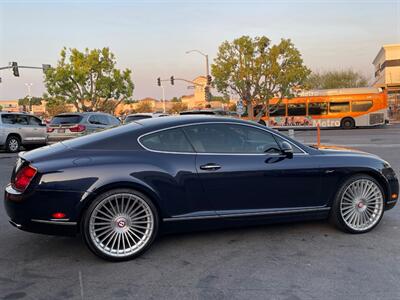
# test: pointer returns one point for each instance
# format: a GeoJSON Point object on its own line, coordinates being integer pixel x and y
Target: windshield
{"type": "Point", "coordinates": [66, 119]}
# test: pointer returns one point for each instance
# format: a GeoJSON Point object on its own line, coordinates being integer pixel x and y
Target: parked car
{"type": "Point", "coordinates": [121, 187]}
{"type": "Point", "coordinates": [139, 116]}
{"type": "Point", "coordinates": [212, 112]}
{"type": "Point", "coordinates": [69, 125]}
{"type": "Point", "coordinates": [20, 129]}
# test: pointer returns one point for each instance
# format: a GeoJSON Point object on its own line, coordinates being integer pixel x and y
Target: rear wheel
{"type": "Point", "coordinates": [358, 205]}
{"type": "Point", "coordinates": [13, 144]}
{"type": "Point", "coordinates": [120, 225]}
{"type": "Point", "coordinates": [348, 123]}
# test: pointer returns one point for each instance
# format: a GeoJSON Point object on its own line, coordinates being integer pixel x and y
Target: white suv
{"type": "Point", "coordinates": [19, 129]}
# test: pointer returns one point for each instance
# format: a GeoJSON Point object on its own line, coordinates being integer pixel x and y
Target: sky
{"type": "Point", "coordinates": [151, 37]}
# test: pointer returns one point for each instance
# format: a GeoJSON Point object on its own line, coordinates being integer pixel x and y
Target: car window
{"type": "Point", "coordinates": [94, 119]}
{"type": "Point", "coordinates": [231, 138]}
{"type": "Point", "coordinates": [130, 119]}
{"type": "Point", "coordinates": [113, 120]}
{"type": "Point", "coordinates": [34, 121]}
{"type": "Point", "coordinates": [66, 119]}
{"type": "Point", "coordinates": [22, 120]}
{"type": "Point", "coordinates": [8, 119]}
{"type": "Point", "coordinates": [103, 120]}
{"type": "Point", "coordinates": [172, 140]}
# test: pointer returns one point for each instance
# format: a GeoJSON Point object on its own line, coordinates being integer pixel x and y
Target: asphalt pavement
{"type": "Point", "coordinates": [308, 260]}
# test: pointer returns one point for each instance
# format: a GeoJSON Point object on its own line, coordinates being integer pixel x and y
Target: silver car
{"type": "Point", "coordinates": [19, 129]}
{"type": "Point", "coordinates": [69, 125]}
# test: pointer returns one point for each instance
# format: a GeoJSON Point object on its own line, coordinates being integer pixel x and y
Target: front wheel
{"type": "Point", "coordinates": [120, 225]}
{"type": "Point", "coordinates": [358, 205]}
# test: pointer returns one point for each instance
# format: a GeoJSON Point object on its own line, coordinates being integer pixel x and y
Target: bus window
{"type": "Point", "coordinates": [362, 105]}
{"type": "Point", "coordinates": [339, 107]}
{"type": "Point", "coordinates": [278, 111]}
{"type": "Point", "coordinates": [317, 108]}
{"type": "Point", "coordinates": [297, 109]}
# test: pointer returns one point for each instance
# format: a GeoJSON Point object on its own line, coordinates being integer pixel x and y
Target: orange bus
{"type": "Point", "coordinates": [345, 108]}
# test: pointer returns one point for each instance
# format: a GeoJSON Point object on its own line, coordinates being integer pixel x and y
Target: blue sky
{"type": "Point", "coordinates": [151, 37]}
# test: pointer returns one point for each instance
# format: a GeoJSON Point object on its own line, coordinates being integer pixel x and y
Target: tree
{"type": "Point", "coordinates": [177, 107]}
{"type": "Point", "coordinates": [143, 107]}
{"type": "Point", "coordinates": [175, 99]}
{"type": "Point", "coordinates": [336, 80]}
{"type": "Point", "coordinates": [88, 79]}
{"type": "Point", "coordinates": [1, 107]}
{"type": "Point", "coordinates": [25, 102]}
{"type": "Point", "coordinates": [56, 106]}
{"type": "Point", "coordinates": [258, 71]}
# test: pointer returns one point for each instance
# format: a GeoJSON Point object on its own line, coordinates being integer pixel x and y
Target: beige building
{"type": "Point", "coordinates": [387, 75]}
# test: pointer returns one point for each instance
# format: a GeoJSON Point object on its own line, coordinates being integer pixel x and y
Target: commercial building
{"type": "Point", "coordinates": [387, 76]}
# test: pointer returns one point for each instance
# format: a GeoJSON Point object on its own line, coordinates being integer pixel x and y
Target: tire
{"type": "Point", "coordinates": [355, 212]}
{"type": "Point", "coordinates": [348, 123]}
{"type": "Point", "coordinates": [13, 144]}
{"type": "Point", "coordinates": [262, 122]}
{"type": "Point", "coordinates": [120, 225]}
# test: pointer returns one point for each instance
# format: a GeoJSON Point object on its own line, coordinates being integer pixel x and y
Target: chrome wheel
{"type": "Point", "coordinates": [361, 205]}
{"type": "Point", "coordinates": [121, 225]}
{"type": "Point", "coordinates": [13, 145]}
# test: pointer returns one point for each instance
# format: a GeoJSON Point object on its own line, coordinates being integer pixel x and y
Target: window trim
{"type": "Point", "coordinates": [218, 153]}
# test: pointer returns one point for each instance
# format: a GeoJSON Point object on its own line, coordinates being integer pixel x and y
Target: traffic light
{"type": "Point", "coordinates": [172, 80]}
{"type": "Point", "coordinates": [159, 81]}
{"type": "Point", "coordinates": [45, 67]}
{"type": "Point", "coordinates": [207, 94]}
{"type": "Point", "coordinates": [15, 68]}
{"type": "Point", "coordinates": [209, 79]}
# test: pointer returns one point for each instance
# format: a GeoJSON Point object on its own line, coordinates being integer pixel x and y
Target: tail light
{"type": "Point", "coordinates": [78, 128]}
{"type": "Point", "coordinates": [49, 129]}
{"type": "Point", "coordinates": [24, 177]}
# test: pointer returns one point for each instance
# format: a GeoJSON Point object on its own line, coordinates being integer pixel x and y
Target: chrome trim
{"type": "Point", "coordinates": [211, 153]}
{"type": "Point", "coordinates": [52, 222]}
{"type": "Point", "coordinates": [15, 224]}
{"type": "Point", "coordinates": [391, 201]}
{"type": "Point", "coordinates": [262, 213]}
{"type": "Point", "coordinates": [10, 190]}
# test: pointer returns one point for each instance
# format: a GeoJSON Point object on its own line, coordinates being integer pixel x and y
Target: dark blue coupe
{"type": "Point", "coordinates": [121, 187]}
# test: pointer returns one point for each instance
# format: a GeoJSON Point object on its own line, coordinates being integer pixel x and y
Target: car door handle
{"type": "Point", "coordinates": [210, 167]}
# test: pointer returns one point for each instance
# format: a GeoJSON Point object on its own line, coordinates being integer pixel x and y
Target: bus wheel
{"type": "Point", "coordinates": [347, 123]}
{"type": "Point", "coordinates": [262, 122]}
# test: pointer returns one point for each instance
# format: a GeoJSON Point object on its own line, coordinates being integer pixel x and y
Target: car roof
{"type": "Point", "coordinates": [16, 113]}
{"type": "Point", "coordinates": [147, 114]}
{"type": "Point", "coordinates": [82, 113]}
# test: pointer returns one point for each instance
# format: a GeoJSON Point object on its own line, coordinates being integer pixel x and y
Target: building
{"type": "Point", "coordinates": [387, 76]}
{"type": "Point", "coordinates": [10, 105]}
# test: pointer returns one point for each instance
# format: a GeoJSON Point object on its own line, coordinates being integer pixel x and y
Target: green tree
{"type": "Point", "coordinates": [56, 106]}
{"type": "Point", "coordinates": [88, 79]}
{"type": "Point", "coordinates": [177, 107]}
{"type": "Point", "coordinates": [1, 107]}
{"type": "Point", "coordinates": [176, 99]}
{"type": "Point", "coordinates": [336, 80]}
{"type": "Point", "coordinates": [143, 107]}
{"type": "Point", "coordinates": [26, 103]}
{"type": "Point", "coordinates": [258, 71]}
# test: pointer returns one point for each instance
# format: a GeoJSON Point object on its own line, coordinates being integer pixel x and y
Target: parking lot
{"type": "Point", "coordinates": [308, 260]}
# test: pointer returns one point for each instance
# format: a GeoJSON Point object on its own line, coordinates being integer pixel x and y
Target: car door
{"type": "Point", "coordinates": [242, 170]}
{"type": "Point", "coordinates": [23, 129]}
{"type": "Point", "coordinates": [37, 130]}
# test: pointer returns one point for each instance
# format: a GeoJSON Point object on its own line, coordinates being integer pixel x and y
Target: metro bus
{"type": "Point", "coordinates": [345, 108]}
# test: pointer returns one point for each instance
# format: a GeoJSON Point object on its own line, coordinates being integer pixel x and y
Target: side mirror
{"type": "Point", "coordinates": [287, 149]}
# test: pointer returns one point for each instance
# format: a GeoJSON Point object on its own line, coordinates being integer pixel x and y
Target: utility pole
{"type": "Point", "coordinates": [205, 56]}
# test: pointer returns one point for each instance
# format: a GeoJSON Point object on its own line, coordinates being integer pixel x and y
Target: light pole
{"type": "Point", "coordinates": [163, 97]}
{"type": "Point", "coordinates": [29, 85]}
{"type": "Point", "coordinates": [206, 57]}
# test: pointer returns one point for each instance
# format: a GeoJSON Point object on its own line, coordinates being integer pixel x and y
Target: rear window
{"type": "Point", "coordinates": [172, 140]}
{"type": "Point", "coordinates": [198, 113]}
{"type": "Point", "coordinates": [135, 118]}
{"type": "Point", "coordinates": [66, 119]}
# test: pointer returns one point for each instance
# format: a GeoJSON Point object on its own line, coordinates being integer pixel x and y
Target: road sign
{"type": "Point", "coordinates": [239, 108]}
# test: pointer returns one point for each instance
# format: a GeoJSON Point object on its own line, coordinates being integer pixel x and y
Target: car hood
{"type": "Point", "coordinates": [340, 150]}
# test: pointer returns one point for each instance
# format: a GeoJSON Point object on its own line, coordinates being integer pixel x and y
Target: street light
{"type": "Point", "coordinates": [205, 55]}
{"type": "Point", "coordinates": [29, 85]}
